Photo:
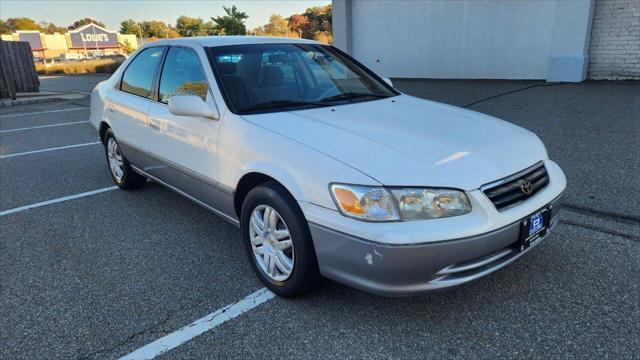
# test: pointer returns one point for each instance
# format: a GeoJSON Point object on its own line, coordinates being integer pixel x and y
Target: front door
{"type": "Point", "coordinates": [185, 147]}
{"type": "Point", "coordinates": [128, 105]}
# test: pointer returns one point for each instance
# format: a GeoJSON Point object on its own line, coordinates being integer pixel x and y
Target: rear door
{"type": "Point", "coordinates": [185, 147]}
{"type": "Point", "coordinates": [128, 104]}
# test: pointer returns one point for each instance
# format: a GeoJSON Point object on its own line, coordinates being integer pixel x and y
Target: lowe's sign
{"type": "Point", "coordinates": [92, 36]}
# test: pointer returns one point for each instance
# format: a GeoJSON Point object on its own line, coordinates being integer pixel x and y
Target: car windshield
{"type": "Point", "coordinates": [261, 78]}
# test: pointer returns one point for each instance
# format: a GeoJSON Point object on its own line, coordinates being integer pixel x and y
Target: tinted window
{"type": "Point", "coordinates": [138, 77]}
{"type": "Point", "coordinates": [274, 77]}
{"type": "Point", "coordinates": [182, 75]}
{"type": "Point", "coordinates": [281, 60]}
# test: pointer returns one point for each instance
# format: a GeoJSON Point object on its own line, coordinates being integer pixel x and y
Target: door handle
{"type": "Point", "coordinates": [154, 124]}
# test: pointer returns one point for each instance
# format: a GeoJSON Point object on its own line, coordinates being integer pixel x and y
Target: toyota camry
{"type": "Point", "coordinates": [326, 168]}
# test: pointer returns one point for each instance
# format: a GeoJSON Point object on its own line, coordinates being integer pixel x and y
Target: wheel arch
{"type": "Point", "coordinates": [102, 130]}
{"type": "Point", "coordinates": [249, 181]}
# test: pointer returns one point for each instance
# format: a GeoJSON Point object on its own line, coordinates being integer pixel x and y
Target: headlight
{"type": "Point", "coordinates": [365, 203]}
{"type": "Point", "coordinates": [424, 203]}
{"type": "Point", "coordinates": [406, 204]}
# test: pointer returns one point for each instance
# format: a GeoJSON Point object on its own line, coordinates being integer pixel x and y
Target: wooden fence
{"type": "Point", "coordinates": [17, 70]}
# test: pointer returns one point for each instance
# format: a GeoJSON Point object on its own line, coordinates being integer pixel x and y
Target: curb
{"type": "Point", "coordinates": [83, 74]}
{"type": "Point", "coordinates": [43, 99]}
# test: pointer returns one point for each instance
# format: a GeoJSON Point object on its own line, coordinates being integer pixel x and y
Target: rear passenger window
{"type": "Point", "coordinates": [182, 75]}
{"type": "Point", "coordinates": [138, 77]}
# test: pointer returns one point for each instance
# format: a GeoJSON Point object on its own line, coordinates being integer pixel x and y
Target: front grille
{"type": "Point", "coordinates": [510, 192]}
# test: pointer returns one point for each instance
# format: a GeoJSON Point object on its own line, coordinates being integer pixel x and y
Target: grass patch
{"type": "Point", "coordinates": [104, 66]}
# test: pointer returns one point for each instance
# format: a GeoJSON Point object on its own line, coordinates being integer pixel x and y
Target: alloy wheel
{"type": "Point", "coordinates": [271, 243]}
{"type": "Point", "coordinates": [115, 160]}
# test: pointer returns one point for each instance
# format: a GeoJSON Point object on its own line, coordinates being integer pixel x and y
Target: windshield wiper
{"type": "Point", "coordinates": [349, 96]}
{"type": "Point", "coordinates": [278, 103]}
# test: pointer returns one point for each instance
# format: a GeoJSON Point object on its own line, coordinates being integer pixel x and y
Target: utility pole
{"type": "Point", "coordinates": [95, 37]}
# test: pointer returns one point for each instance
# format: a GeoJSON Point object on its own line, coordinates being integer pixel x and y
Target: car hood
{"type": "Point", "coordinates": [406, 141]}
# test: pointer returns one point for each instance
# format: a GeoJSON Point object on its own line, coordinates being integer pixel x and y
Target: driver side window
{"type": "Point", "coordinates": [182, 75]}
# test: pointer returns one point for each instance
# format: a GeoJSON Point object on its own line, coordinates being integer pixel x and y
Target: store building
{"type": "Point", "coordinates": [555, 40]}
{"type": "Point", "coordinates": [87, 41]}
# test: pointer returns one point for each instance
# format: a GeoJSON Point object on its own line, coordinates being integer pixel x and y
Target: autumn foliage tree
{"type": "Point", "coordinates": [158, 29]}
{"type": "Point", "coordinates": [277, 26]}
{"type": "Point", "coordinates": [300, 25]}
{"type": "Point", "coordinates": [314, 23]}
{"type": "Point", "coordinates": [320, 23]}
{"type": "Point", "coordinates": [22, 23]}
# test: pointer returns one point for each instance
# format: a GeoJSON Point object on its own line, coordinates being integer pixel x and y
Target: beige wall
{"type": "Point", "coordinates": [56, 44]}
{"type": "Point", "coordinates": [55, 41]}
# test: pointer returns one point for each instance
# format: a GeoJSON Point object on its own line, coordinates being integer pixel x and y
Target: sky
{"type": "Point", "coordinates": [112, 12]}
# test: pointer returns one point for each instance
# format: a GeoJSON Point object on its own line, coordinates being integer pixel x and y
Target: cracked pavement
{"type": "Point", "coordinates": [101, 276]}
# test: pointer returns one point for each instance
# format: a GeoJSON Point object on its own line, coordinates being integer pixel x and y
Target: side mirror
{"type": "Point", "coordinates": [193, 105]}
{"type": "Point", "coordinates": [388, 81]}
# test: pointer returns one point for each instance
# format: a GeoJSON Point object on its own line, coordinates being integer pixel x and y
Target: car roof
{"type": "Point", "coordinates": [207, 41]}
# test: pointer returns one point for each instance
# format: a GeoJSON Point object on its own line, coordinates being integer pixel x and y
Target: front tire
{"type": "Point", "coordinates": [278, 241]}
{"type": "Point", "coordinates": [121, 172]}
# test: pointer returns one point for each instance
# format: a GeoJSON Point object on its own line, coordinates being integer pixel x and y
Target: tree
{"type": "Point", "coordinates": [324, 37]}
{"type": "Point", "coordinates": [277, 26]}
{"type": "Point", "coordinates": [188, 26]}
{"type": "Point", "coordinates": [130, 27]}
{"type": "Point", "coordinates": [314, 23]}
{"type": "Point", "coordinates": [158, 29]}
{"type": "Point", "coordinates": [319, 19]}
{"type": "Point", "coordinates": [4, 28]}
{"type": "Point", "coordinates": [145, 28]}
{"type": "Point", "coordinates": [172, 33]}
{"type": "Point", "coordinates": [51, 28]}
{"type": "Point", "coordinates": [209, 28]}
{"type": "Point", "coordinates": [232, 23]}
{"type": "Point", "coordinates": [127, 47]}
{"type": "Point", "coordinates": [320, 16]}
{"type": "Point", "coordinates": [300, 25]}
{"type": "Point", "coordinates": [13, 24]}
{"type": "Point", "coordinates": [85, 21]}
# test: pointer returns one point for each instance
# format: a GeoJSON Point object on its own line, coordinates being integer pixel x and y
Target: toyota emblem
{"type": "Point", "coordinates": [526, 187]}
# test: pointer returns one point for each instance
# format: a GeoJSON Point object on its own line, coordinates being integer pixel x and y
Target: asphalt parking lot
{"type": "Point", "coordinates": [106, 273]}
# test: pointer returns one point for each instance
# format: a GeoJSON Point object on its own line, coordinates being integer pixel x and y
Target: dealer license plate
{"type": "Point", "coordinates": [533, 228]}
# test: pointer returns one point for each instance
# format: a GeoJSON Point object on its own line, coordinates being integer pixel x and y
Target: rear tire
{"type": "Point", "coordinates": [278, 241]}
{"type": "Point", "coordinates": [119, 167]}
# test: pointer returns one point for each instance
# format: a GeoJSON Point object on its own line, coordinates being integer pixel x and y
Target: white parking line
{"type": "Point", "coordinates": [43, 126]}
{"type": "Point", "coordinates": [55, 201]}
{"type": "Point", "coordinates": [200, 326]}
{"type": "Point", "coordinates": [49, 149]}
{"type": "Point", "coordinates": [42, 112]}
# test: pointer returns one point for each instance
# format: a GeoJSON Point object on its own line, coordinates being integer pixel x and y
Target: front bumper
{"type": "Point", "coordinates": [396, 270]}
